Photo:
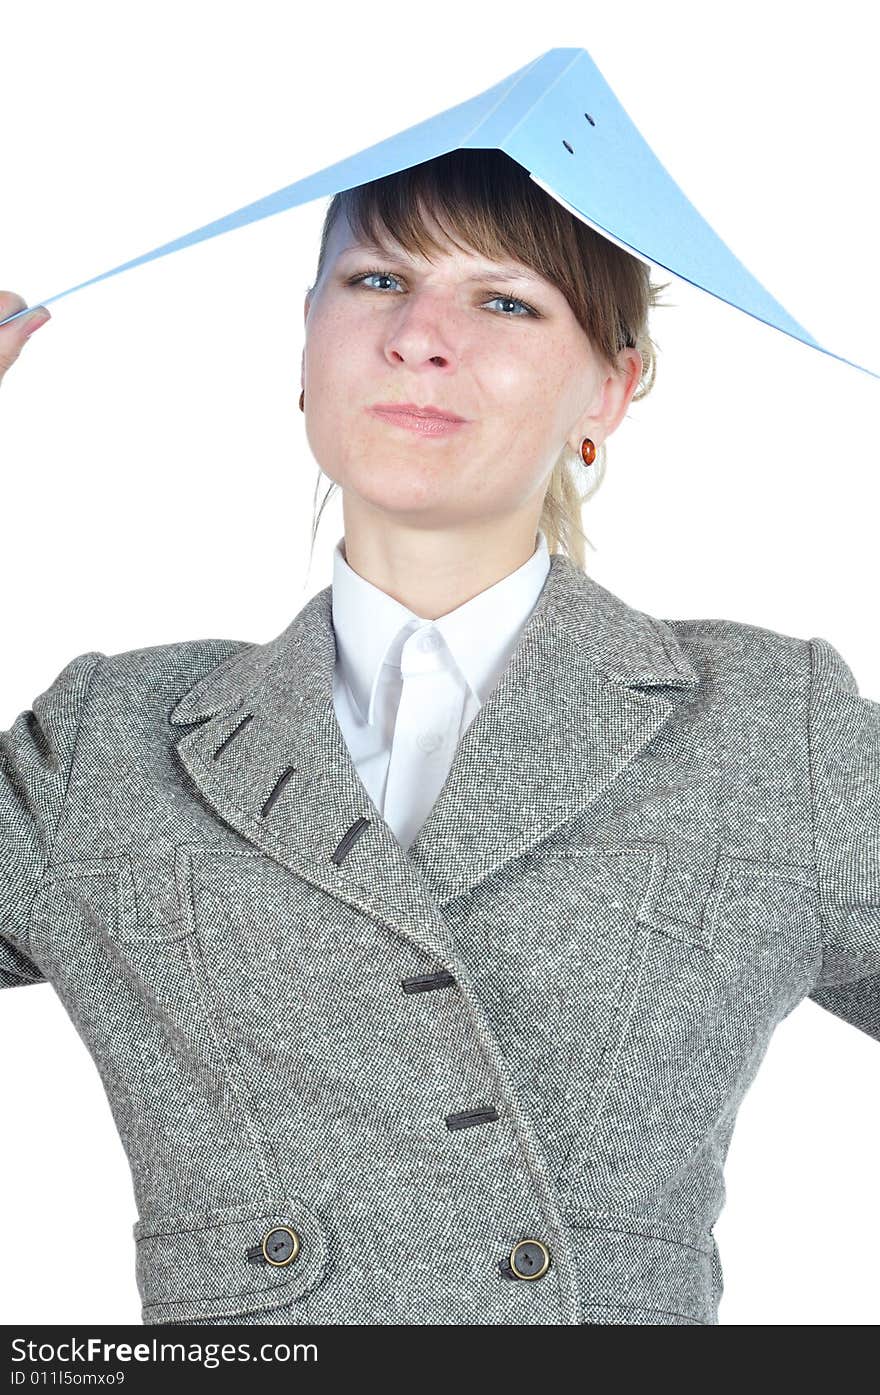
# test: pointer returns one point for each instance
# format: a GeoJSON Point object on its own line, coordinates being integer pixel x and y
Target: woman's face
{"type": "Point", "coordinates": [502, 350]}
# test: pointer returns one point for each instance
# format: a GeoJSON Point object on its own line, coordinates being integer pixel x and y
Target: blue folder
{"type": "Point", "coordinates": [558, 118]}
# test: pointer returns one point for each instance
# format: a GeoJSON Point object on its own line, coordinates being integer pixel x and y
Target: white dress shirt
{"type": "Point", "coordinates": [405, 689]}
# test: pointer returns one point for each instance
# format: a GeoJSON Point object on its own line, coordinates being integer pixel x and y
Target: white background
{"type": "Point", "coordinates": [153, 424]}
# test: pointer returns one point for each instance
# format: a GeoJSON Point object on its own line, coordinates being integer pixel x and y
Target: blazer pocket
{"type": "Point", "coordinates": [213, 1264]}
{"type": "Point", "coordinates": [83, 902]}
{"type": "Point", "coordinates": [690, 894]}
{"type": "Point", "coordinates": [632, 1272]}
{"type": "Point", "coordinates": [725, 940]}
{"type": "Point", "coordinates": [133, 980]}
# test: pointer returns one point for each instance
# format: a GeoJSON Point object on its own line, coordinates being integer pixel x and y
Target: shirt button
{"type": "Point", "coordinates": [281, 1245]}
{"type": "Point", "coordinates": [429, 740]}
{"type": "Point", "coordinates": [529, 1259]}
{"type": "Point", "coordinates": [429, 642]}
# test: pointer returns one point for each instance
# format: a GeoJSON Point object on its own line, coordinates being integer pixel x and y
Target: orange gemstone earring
{"type": "Point", "coordinates": [302, 401]}
{"type": "Point", "coordinates": [588, 451]}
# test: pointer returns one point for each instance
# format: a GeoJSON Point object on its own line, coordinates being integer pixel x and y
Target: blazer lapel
{"type": "Point", "coordinates": [591, 682]}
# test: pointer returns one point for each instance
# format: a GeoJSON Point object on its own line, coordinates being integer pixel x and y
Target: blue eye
{"type": "Point", "coordinates": [512, 300]}
{"type": "Point", "coordinates": [495, 295]}
{"type": "Point", "coordinates": [365, 276]}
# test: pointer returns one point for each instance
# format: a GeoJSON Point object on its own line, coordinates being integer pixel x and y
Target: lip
{"type": "Point", "coordinates": [413, 409]}
{"type": "Point", "coordinates": [421, 420]}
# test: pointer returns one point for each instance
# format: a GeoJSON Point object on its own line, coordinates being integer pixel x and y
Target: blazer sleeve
{"type": "Point", "coordinates": [844, 743]}
{"type": "Point", "coordinates": [36, 757]}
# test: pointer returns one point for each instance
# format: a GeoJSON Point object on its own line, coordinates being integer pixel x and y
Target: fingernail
{"type": "Point", "coordinates": [37, 323]}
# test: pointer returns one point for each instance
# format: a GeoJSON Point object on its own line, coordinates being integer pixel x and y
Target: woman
{"type": "Point", "coordinates": [428, 950]}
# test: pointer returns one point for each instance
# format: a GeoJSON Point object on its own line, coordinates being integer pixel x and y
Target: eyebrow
{"type": "Point", "coordinates": [487, 273]}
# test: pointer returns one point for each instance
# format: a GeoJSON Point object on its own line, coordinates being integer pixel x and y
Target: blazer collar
{"type": "Point", "coordinates": [589, 684]}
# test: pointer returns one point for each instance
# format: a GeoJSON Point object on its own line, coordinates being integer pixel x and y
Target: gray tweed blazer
{"type": "Point", "coordinates": [490, 1080]}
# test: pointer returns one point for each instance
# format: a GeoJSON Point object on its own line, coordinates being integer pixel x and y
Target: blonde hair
{"type": "Point", "coordinates": [485, 202]}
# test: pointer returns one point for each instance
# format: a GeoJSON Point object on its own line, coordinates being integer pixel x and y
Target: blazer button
{"type": "Point", "coordinates": [280, 1245]}
{"type": "Point", "coordinates": [529, 1259]}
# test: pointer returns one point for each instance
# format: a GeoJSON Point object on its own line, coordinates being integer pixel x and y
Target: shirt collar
{"type": "Point", "coordinates": [480, 634]}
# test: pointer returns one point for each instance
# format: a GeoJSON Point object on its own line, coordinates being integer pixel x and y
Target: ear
{"type": "Point", "coordinates": [302, 367]}
{"type": "Point", "coordinates": [610, 401]}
